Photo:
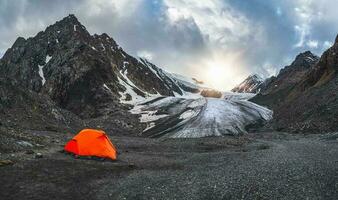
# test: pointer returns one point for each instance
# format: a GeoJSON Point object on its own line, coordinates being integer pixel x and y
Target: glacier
{"type": "Point", "coordinates": [183, 117]}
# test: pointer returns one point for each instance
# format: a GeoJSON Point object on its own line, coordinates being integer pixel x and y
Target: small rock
{"type": "Point", "coordinates": [131, 165]}
{"type": "Point", "coordinates": [6, 162]}
{"type": "Point", "coordinates": [38, 155]}
{"type": "Point", "coordinates": [56, 141]}
{"type": "Point", "coordinates": [29, 151]}
{"type": "Point", "coordinates": [25, 144]}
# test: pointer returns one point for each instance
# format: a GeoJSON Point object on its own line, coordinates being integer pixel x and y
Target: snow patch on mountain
{"type": "Point", "coordinates": [42, 74]}
{"type": "Point", "coordinates": [48, 59]}
{"type": "Point", "coordinates": [129, 91]}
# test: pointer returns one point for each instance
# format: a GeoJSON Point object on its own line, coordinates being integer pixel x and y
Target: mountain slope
{"type": "Point", "coordinates": [90, 76]}
{"type": "Point", "coordinates": [304, 98]}
{"type": "Point", "coordinates": [312, 106]}
{"type": "Point", "coordinates": [249, 85]}
{"type": "Point", "coordinates": [275, 89]}
{"type": "Point", "coordinates": [84, 73]}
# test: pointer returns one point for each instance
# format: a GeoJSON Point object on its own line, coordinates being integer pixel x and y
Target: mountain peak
{"type": "Point", "coordinates": [250, 85]}
{"type": "Point", "coordinates": [255, 77]}
{"type": "Point", "coordinates": [71, 18]}
{"type": "Point", "coordinates": [306, 54]}
{"type": "Point", "coordinates": [67, 25]}
{"type": "Point", "coordinates": [305, 59]}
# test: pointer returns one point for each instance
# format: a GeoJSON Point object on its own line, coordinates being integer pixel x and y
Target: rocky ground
{"type": "Point", "coordinates": [266, 165]}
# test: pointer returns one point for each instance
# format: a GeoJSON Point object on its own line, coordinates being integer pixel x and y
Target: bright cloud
{"type": "Point", "coordinates": [312, 44]}
{"type": "Point", "coordinates": [145, 54]}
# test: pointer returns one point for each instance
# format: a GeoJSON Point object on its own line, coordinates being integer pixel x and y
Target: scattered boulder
{"type": "Point", "coordinates": [25, 144]}
{"type": "Point", "coordinates": [38, 155]}
{"type": "Point", "coordinates": [29, 151]}
{"type": "Point", "coordinates": [6, 162]}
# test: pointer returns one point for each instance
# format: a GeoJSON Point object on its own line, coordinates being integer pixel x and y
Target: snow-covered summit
{"type": "Point", "coordinates": [249, 85]}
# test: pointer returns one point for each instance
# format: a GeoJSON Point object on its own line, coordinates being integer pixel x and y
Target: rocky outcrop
{"type": "Point", "coordinates": [252, 84]}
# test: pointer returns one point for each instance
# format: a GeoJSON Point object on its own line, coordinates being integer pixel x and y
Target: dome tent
{"type": "Point", "coordinates": [91, 142]}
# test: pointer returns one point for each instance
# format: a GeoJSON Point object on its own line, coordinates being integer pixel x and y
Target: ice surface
{"type": "Point", "coordinates": [202, 117]}
{"type": "Point", "coordinates": [237, 96]}
{"type": "Point", "coordinates": [223, 117]}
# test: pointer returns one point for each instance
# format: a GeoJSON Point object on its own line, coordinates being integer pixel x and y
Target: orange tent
{"type": "Point", "coordinates": [90, 142]}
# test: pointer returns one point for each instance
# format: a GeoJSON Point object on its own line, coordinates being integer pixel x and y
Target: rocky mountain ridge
{"type": "Point", "coordinates": [275, 89]}
{"type": "Point", "coordinates": [90, 76]}
{"type": "Point", "coordinates": [303, 95]}
{"type": "Point", "coordinates": [312, 105]}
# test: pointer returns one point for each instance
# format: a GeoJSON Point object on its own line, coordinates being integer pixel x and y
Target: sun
{"type": "Point", "coordinates": [216, 75]}
{"type": "Point", "coordinates": [222, 72]}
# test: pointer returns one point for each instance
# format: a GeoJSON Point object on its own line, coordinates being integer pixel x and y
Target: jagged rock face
{"type": "Point", "coordinates": [312, 106]}
{"type": "Point", "coordinates": [82, 73]}
{"type": "Point", "coordinates": [275, 89]}
{"type": "Point", "coordinates": [251, 84]}
{"type": "Point", "coordinates": [62, 63]}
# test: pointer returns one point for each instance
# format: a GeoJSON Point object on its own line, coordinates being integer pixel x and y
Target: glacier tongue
{"type": "Point", "coordinates": [223, 117]}
{"type": "Point", "coordinates": [202, 117]}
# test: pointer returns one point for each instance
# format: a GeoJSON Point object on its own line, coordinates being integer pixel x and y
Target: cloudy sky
{"type": "Point", "coordinates": [219, 41]}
